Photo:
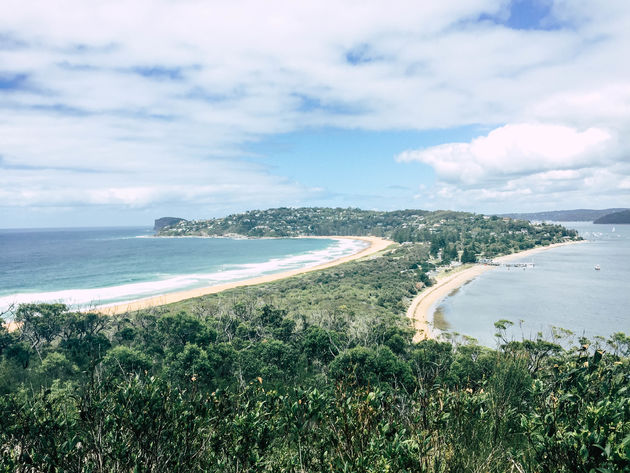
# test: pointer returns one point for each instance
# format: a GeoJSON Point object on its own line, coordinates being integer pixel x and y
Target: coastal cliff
{"type": "Point", "coordinates": [164, 222]}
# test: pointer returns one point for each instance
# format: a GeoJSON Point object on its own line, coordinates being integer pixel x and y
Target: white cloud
{"type": "Point", "coordinates": [513, 150]}
{"type": "Point", "coordinates": [530, 166]}
{"type": "Point", "coordinates": [156, 97]}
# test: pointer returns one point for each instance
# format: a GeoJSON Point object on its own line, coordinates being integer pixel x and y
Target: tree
{"type": "Point", "coordinates": [320, 344]}
{"type": "Point", "coordinates": [468, 256]}
{"type": "Point", "coordinates": [182, 328]}
{"type": "Point", "coordinates": [40, 323]}
{"type": "Point", "coordinates": [192, 365]}
{"type": "Point", "coordinates": [449, 253]}
{"type": "Point", "coordinates": [125, 360]}
{"type": "Point", "coordinates": [372, 367]}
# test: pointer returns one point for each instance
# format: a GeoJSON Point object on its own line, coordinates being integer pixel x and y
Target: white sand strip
{"type": "Point", "coordinates": [375, 245]}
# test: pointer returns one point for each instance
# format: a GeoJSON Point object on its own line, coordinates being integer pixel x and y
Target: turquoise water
{"type": "Point", "coordinates": [96, 266]}
{"type": "Point", "coordinates": [562, 290]}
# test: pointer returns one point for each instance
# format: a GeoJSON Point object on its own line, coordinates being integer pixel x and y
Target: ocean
{"type": "Point", "coordinates": [563, 290]}
{"type": "Point", "coordinates": [88, 267]}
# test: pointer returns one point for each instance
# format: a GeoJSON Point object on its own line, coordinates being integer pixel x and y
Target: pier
{"type": "Point", "coordinates": [489, 262]}
{"type": "Point", "coordinates": [517, 265]}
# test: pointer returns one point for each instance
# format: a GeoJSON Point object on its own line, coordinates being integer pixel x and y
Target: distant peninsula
{"type": "Point", "coordinates": [616, 217]}
{"type": "Point", "coordinates": [452, 234]}
{"type": "Point", "coordinates": [575, 215]}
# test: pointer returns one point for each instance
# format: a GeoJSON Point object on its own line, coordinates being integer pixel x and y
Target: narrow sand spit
{"type": "Point", "coordinates": [424, 304]}
{"type": "Point", "coordinates": [375, 245]}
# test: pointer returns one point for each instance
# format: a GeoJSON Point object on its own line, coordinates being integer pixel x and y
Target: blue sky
{"type": "Point", "coordinates": [333, 156]}
{"type": "Point", "coordinates": [116, 113]}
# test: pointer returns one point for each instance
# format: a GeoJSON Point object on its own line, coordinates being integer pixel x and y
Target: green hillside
{"type": "Point", "coordinates": [485, 234]}
{"type": "Point", "coordinates": [615, 218]}
{"type": "Point", "coordinates": [575, 215]}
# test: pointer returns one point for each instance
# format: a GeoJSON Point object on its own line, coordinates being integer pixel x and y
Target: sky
{"type": "Point", "coordinates": [117, 112]}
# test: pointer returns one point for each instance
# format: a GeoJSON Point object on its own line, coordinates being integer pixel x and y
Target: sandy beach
{"type": "Point", "coordinates": [423, 305]}
{"type": "Point", "coordinates": [375, 245]}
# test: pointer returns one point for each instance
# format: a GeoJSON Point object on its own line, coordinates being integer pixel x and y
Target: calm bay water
{"type": "Point", "coordinates": [94, 266]}
{"type": "Point", "coordinates": [563, 290]}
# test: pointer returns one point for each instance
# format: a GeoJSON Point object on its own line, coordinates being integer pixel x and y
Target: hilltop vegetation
{"type": "Point", "coordinates": [480, 234]}
{"type": "Point", "coordinates": [576, 215]}
{"type": "Point", "coordinates": [287, 222]}
{"type": "Point", "coordinates": [615, 218]}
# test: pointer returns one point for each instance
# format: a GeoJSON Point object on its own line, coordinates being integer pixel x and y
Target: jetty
{"type": "Point", "coordinates": [490, 262]}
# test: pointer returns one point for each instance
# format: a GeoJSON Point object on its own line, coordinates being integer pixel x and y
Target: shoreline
{"type": "Point", "coordinates": [376, 244]}
{"type": "Point", "coordinates": [424, 304]}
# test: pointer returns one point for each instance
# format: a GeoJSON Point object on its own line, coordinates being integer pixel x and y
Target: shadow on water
{"type": "Point", "coordinates": [439, 316]}
{"type": "Point", "coordinates": [439, 320]}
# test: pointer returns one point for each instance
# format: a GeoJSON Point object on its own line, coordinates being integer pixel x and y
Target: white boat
{"type": "Point", "coordinates": [597, 268]}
